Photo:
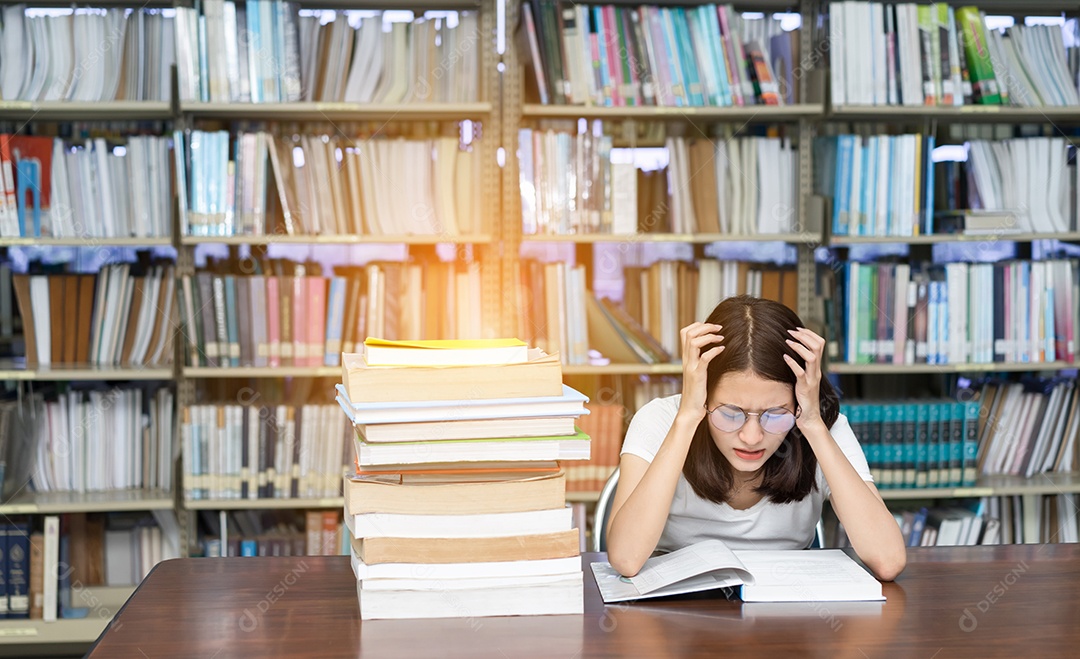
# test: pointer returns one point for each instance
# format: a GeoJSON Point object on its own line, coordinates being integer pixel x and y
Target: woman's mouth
{"type": "Point", "coordinates": [750, 456]}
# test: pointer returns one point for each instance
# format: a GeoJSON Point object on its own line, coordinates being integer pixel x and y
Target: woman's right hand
{"type": "Point", "coordinates": [695, 337]}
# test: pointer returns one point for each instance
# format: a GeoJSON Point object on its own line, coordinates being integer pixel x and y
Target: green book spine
{"type": "Point", "coordinates": [956, 444]}
{"type": "Point", "coordinates": [934, 479]}
{"type": "Point", "coordinates": [977, 50]}
{"type": "Point", "coordinates": [971, 443]}
{"type": "Point", "coordinates": [909, 416]}
{"type": "Point", "coordinates": [922, 441]}
{"type": "Point", "coordinates": [889, 445]}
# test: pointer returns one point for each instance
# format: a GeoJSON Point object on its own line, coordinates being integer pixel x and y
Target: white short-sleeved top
{"type": "Point", "coordinates": [765, 525]}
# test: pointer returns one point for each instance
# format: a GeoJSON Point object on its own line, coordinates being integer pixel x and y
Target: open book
{"type": "Point", "coordinates": [827, 575]}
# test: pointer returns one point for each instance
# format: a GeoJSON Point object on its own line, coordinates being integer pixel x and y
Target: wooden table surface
{"type": "Point", "coordinates": [1013, 601]}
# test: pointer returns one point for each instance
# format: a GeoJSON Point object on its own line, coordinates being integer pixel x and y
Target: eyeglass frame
{"type": "Point", "coordinates": [747, 415]}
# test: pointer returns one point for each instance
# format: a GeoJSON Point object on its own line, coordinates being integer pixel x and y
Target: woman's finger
{"type": "Point", "coordinates": [794, 366]}
{"type": "Point", "coordinates": [804, 352]}
{"type": "Point", "coordinates": [708, 355]}
{"type": "Point", "coordinates": [809, 337]}
{"type": "Point", "coordinates": [705, 339]}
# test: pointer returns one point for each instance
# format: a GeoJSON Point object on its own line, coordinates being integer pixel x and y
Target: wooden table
{"type": "Point", "coordinates": [1015, 601]}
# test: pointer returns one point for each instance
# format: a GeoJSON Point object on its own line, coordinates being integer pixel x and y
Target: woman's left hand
{"type": "Point", "coordinates": [810, 347]}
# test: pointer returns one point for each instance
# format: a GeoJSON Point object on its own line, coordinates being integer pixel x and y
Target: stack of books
{"type": "Point", "coordinates": [458, 504]}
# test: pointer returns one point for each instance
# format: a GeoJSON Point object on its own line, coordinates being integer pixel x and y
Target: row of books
{"type": "Point", "coordinates": [49, 564]}
{"type": "Point", "coordinates": [561, 315]}
{"type": "Point", "coordinates": [235, 451]}
{"type": "Point", "coordinates": [648, 55]}
{"type": "Point", "coordinates": [86, 55]}
{"type": "Point", "coordinates": [572, 183]}
{"type": "Point", "coordinates": [917, 444]}
{"type": "Point", "coordinates": [604, 426]}
{"type": "Point", "coordinates": [908, 54]}
{"type": "Point", "coordinates": [1030, 427]}
{"type": "Point", "coordinates": [122, 315]}
{"type": "Point", "coordinates": [289, 314]}
{"type": "Point", "coordinates": [457, 508]}
{"type": "Point", "coordinates": [98, 440]}
{"type": "Point", "coordinates": [956, 313]}
{"type": "Point", "coordinates": [93, 188]}
{"type": "Point", "coordinates": [266, 51]}
{"type": "Point", "coordinates": [890, 185]}
{"type": "Point", "coordinates": [273, 533]}
{"type": "Point", "coordinates": [256, 183]}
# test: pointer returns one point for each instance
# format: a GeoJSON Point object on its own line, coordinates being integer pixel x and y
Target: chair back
{"type": "Point", "coordinates": [603, 511]}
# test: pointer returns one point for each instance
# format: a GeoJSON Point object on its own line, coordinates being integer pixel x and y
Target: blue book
{"type": "Point", "coordinates": [255, 53]}
{"type": "Point", "coordinates": [842, 198]}
{"type": "Point", "coordinates": [5, 531]}
{"type": "Point", "coordinates": [605, 78]}
{"type": "Point", "coordinates": [335, 318]}
{"type": "Point", "coordinates": [922, 445]}
{"type": "Point", "coordinates": [929, 187]}
{"type": "Point", "coordinates": [570, 403]}
{"type": "Point", "coordinates": [970, 444]}
{"type": "Point", "coordinates": [249, 548]}
{"type": "Point", "coordinates": [956, 444]}
{"type": "Point", "coordinates": [18, 570]}
{"type": "Point", "coordinates": [63, 590]}
{"type": "Point", "coordinates": [917, 526]}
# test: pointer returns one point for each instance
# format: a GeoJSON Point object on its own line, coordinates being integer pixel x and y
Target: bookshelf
{"type": "Point", "coordinates": [503, 111]}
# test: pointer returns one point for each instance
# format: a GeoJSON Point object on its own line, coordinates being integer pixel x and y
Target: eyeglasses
{"type": "Point", "coordinates": [729, 418]}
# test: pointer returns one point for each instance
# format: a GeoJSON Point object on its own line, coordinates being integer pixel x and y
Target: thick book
{"type": "Point", "coordinates": [424, 431]}
{"type": "Point", "coordinates": [570, 403]}
{"type": "Point", "coordinates": [563, 596]}
{"type": "Point", "coordinates": [528, 493]}
{"type": "Point", "coordinates": [541, 375]}
{"type": "Point", "coordinates": [467, 550]}
{"type": "Point", "coordinates": [570, 447]}
{"type": "Point", "coordinates": [492, 570]}
{"type": "Point", "coordinates": [827, 575]}
{"type": "Point", "coordinates": [463, 352]}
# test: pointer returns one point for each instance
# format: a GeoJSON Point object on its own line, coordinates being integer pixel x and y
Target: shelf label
{"type": "Point", "coordinates": [19, 631]}
{"type": "Point", "coordinates": [336, 107]}
{"type": "Point", "coordinates": [973, 492]}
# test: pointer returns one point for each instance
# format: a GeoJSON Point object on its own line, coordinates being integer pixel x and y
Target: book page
{"type": "Point", "coordinates": [807, 575]}
{"type": "Point", "coordinates": [707, 556]}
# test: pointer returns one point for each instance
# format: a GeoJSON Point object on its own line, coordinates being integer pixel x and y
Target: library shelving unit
{"type": "Point", "coordinates": [485, 244]}
{"type": "Point", "coordinates": [883, 377]}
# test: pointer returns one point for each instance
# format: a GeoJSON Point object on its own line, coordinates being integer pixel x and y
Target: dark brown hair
{"type": "Point", "coordinates": [755, 332]}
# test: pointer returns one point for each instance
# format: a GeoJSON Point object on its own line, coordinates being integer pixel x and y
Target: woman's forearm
{"type": "Point", "coordinates": [635, 526]}
{"type": "Point", "coordinates": [875, 536]}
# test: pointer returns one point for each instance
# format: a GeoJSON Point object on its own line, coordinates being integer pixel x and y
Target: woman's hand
{"type": "Point", "coordinates": [695, 337]}
{"type": "Point", "coordinates": [810, 347]}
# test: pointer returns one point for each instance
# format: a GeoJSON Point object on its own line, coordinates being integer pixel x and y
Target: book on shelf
{"type": "Point", "coordinates": [262, 183]}
{"type": "Point", "coordinates": [292, 314]}
{"type": "Point", "coordinates": [540, 546]}
{"type": "Point", "coordinates": [277, 451]}
{"type": "Point", "coordinates": [121, 315]}
{"type": "Point", "coordinates": [267, 51]}
{"type": "Point", "coordinates": [890, 185]}
{"type": "Point", "coordinates": [445, 352]}
{"type": "Point", "coordinates": [272, 533]}
{"type": "Point", "coordinates": [82, 188]}
{"type": "Point", "coordinates": [935, 55]}
{"type": "Point", "coordinates": [512, 492]}
{"type": "Point", "coordinates": [923, 313]}
{"type": "Point", "coordinates": [1029, 428]}
{"type": "Point", "coordinates": [826, 575]}
{"type": "Point", "coordinates": [570, 403]}
{"type": "Point", "coordinates": [544, 448]}
{"type": "Point", "coordinates": [541, 375]}
{"type": "Point", "coordinates": [607, 55]}
{"type": "Point", "coordinates": [72, 63]}
{"type": "Point", "coordinates": [570, 183]}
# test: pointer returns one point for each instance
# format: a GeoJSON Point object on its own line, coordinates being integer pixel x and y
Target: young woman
{"type": "Point", "coordinates": [749, 451]}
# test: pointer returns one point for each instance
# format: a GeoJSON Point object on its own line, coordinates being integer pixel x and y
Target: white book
{"type": "Point", "coordinates": [51, 566]}
{"type": "Point", "coordinates": [561, 597]}
{"type": "Point", "coordinates": [391, 525]}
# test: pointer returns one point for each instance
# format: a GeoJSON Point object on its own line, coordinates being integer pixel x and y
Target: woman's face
{"type": "Point", "coordinates": [750, 446]}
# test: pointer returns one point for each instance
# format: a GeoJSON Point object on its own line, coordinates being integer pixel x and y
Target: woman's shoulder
{"type": "Point", "coordinates": [650, 425]}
